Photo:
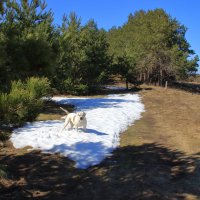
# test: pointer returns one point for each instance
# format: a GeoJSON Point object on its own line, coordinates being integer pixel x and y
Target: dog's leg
{"type": "Point", "coordinates": [76, 127]}
{"type": "Point", "coordinates": [71, 124]}
{"type": "Point", "coordinates": [65, 124]}
{"type": "Point", "coordinates": [84, 126]}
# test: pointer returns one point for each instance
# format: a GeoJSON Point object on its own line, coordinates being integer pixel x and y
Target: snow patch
{"type": "Point", "coordinates": [107, 118]}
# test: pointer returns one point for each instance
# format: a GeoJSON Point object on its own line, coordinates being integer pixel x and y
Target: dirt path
{"type": "Point", "coordinates": [159, 158]}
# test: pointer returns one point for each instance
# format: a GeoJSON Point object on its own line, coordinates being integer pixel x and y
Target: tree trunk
{"type": "Point", "coordinates": [144, 78]}
{"type": "Point", "coordinates": [161, 77]}
{"type": "Point", "coordinates": [166, 84]}
{"type": "Point", "coordinates": [140, 77]}
{"type": "Point", "coordinates": [126, 84]}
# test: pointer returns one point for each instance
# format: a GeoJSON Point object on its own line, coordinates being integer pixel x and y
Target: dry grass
{"type": "Point", "coordinates": [159, 158]}
{"type": "Point", "coordinates": [172, 118]}
{"type": "Point", "coordinates": [52, 111]}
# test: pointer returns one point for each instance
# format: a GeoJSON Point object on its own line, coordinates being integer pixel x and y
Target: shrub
{"type": "Point", "coordinates": [4, 135]}
{"type": "Point", "coordinates": [23, 102]}
{"type": "Point", "coordinates": [38, 87]}
{"type": "Point", "coordinates": [3, 173]}
{"type": "Point", "coordinates": [76, 88]}
{"type": "Point", "coordinates": [81, 89]}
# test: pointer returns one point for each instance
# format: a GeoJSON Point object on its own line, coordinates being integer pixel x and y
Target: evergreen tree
{"type": "Point", "coordinates": [83, 59]}
{"type": "Point", "coordinates": [156, 45]}
{"type": "Point", "coordinates": [95, 62]}
{"type": "Point", "coordinates": [27, 38]}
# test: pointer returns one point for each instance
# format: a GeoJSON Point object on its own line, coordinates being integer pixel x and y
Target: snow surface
{"type": "Point", "coordinates": [107, 117]}
{"type": "Point", "coordinates": [111, 87]}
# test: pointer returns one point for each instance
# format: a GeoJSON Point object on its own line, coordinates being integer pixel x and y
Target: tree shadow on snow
{"type": "Point", "coordinates": [86, 104]}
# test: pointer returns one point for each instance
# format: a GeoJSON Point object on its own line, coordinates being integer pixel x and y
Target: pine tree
{"type": "Point", "coordinates": [83, 58]}
{"type": "Point", "coordinates": [157, 46]}
{"type": "Point", "coordinates": [28, 40]}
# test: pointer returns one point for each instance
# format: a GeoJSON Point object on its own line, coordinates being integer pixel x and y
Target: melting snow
{"type": "Point", "coordinates": [106, 118]}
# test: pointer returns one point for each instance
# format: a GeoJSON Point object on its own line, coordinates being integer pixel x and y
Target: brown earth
{"type": "Point", "coordinates": [159, 158]}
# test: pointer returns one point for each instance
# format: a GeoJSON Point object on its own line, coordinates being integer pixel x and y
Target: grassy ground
{"type": "Point", "coordinates": [159, 158]}
{"type": "Point", "coordinates": [172, 118]}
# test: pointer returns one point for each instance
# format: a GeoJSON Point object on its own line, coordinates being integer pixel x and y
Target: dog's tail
{"type": "Point", "coordinates": [64, 110]}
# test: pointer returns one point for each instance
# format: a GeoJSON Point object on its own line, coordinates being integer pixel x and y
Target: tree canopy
{"type": "Point", "coordinates": [83, 59]}
{"type": "Point", "coordinates": [26, 40]}
{"type": "Point", "coordinates": [78, 58]}
{"type": "Point", "coordinates": [154, 45]}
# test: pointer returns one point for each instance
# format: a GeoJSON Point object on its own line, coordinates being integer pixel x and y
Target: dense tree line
{"type": "Point", "coordinates": [74, 57]}
{"type": "Point", "coordinates": [150, 47]}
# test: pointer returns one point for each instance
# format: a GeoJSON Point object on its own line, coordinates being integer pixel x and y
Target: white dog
{"type": "Point", "coordinates": [75, 120]}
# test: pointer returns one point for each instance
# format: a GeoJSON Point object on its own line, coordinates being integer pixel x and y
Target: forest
{"type": "Point", "coordinates": [39, 58]}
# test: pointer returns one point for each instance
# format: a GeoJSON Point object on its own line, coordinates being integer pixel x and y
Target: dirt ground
{"type": "Point", "coordinates": [159, 158]}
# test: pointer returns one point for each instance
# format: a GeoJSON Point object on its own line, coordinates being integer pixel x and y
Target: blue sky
{"type": "Point", "coordinates": [108, 13]}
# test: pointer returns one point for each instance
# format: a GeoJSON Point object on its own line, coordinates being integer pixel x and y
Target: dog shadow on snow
{"type": "Point", "coordinates": [88, 130]}
{"type": "Point", "coordinates": [93, 131]}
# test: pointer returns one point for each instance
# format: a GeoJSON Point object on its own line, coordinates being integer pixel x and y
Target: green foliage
{"type": "Point", "coordinates": [83, 59]}
{"type": "Point", "coordinates": [27, 41]}
{"type": "Point", "coordinates": [3, 173]}
{"type": "Point", "coordinates": [153, 46]}
{"type": "Point", "coordinates": [79, 89]}
{"type": "Point", "coordinates": [74, 88]}
{"type": "Point", "coordinates": [4, 135]}
{"type": "Point", "coordinates": [150, 47]}
{"type": "Point", "coordinates": [23, 102]}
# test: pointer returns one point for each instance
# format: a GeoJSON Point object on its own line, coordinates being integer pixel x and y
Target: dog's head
{"type": "Point", "coordinates": [81, 115]}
